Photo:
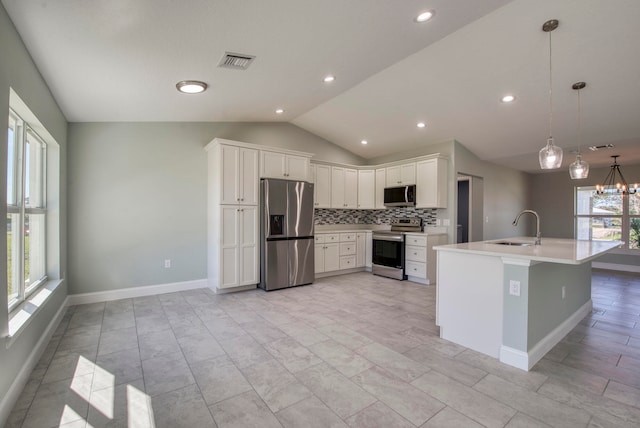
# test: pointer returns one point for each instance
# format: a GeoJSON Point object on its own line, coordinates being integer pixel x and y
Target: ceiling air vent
{"type": "Point", "coordinates": [604, 146]}
{"type": "Point", "coordinates": [236, 61]}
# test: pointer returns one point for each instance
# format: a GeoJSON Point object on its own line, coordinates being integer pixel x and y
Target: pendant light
{"type": "Point", "coordinates": [579, 169]}
{"type": "Point", "coordinates": [550, 156]}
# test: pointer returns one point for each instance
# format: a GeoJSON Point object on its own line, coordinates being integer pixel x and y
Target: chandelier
{"type": "Point", "coordinates": [611, 185]}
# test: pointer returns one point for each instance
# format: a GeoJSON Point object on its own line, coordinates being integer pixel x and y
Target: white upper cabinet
{"type": "Point", "coordinates": [282, 165]}
{"type": "Point", "coordinates": [297, 167]}
{"type": "Point", "coordinates": [381, 183]}
{"type": "Point", "coordinates": [366, 189]}
{"type": "Point", "coordinates": [322, 185]}
{"type": "Point", "coordinates": [401, 175]}
{"type": "Point", "coordinates": [344, 187]}
{"type": "Point", "coordinates": [239, 184]}
{"type": "Point", "coordinates": [431, 187]}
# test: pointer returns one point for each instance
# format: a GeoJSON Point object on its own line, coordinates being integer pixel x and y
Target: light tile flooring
{"type": "Point", "coordinates": [355, 350]}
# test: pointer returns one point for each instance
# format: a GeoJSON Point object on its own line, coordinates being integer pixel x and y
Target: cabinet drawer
{"type": "Point", "coordinates": [416, 254]}
{"type": "Point", "coordinates": [347, 237]}
{"type": "Point", "coordinates": [331, 237]}
{"type": "Point", "coordinates": [347, 262]}
{"type": "Point", "coordinates": [347, 249]}
{"type": "Point", "coordinates": [420, 241]}
{"type": "Point", "coordinates": [416, 269]}
{"type": "Point", "coordinates": [319, 239]}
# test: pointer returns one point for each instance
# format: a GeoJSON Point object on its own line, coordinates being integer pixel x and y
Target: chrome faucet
{"type": "Point", "coordinates": [515, 223]}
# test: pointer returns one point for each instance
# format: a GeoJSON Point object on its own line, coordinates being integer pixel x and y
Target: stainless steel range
{"type": "Point", "coordinates": [388, 247]}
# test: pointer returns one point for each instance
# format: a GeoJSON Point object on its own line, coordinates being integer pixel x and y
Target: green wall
{"type": "Point", "coordinates": [17, 71]}
{"type": "Point", "coordinates": [552, 195]}
{"type": "Point", "coordinates": [137, 196]}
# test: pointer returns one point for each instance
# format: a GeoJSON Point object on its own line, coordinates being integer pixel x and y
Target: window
{"type": "Point", "coordinates": [608, 217]}
{"type": "Point", "coordinates": [26, 210]}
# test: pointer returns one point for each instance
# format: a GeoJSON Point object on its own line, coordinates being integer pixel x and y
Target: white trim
{"type": "Point", "coordinates": [526, 360]}
{"type": "Point", "coordinates": [514, 357]}
{"type": "Point", "coordinates": [319, 275]}
{"type": "Point", "coordinates": [21, 316]}
{"type": "Point", "coordinates": [519, 262]}
{"type": "Point", "coordinates": [14, 391]}
{"type": "Point", "coordinates": [233, 289]}
{"type": "Point", "coordinates": [418, 280]}
{"type": "Point", "coordinates": [616, 267]}
{"type": "Point", "coordinates": [128, 293]}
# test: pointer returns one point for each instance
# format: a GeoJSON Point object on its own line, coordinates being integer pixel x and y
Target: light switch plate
{"type": "Point", "coordinates": [514, 288]}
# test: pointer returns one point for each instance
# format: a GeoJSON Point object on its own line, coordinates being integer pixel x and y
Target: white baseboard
{"type": "Point", "coordinates": [10, 399]}
{"type": "Point", "coordinates": [128, 293]}
{"type": "Point", "coordinates": [616, 267]}
{"type": "Point", "coordinates": [339, 272]}
{"type": "Point", "coordinates": [526, 360]}
{"type": "Point", "coordinates": [234, 289]}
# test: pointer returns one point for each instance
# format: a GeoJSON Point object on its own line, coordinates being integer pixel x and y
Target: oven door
{"type": "Point", "coordinates": [388, 251]}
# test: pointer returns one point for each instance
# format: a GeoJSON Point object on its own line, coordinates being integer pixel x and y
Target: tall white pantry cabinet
{"type": "Point", "coordinates": [234, 172]}
{"type": "Point", "coordinates": [232, 207]}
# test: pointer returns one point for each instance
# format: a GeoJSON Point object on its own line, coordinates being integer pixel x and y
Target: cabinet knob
{"type": "Point", "coordinates": [415, 254]}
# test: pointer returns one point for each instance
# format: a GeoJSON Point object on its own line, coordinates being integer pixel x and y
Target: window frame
{"type": "Point", "coordinates": [23, 134]}
{"type": "Point", "coordinates": [625, 219]}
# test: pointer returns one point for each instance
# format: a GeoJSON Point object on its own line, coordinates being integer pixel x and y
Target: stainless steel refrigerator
{"type": "Point", "coordinates": [286, 227]}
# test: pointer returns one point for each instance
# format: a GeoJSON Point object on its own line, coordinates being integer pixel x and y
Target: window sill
{"type": "Point", "coordinates": [22, 316]}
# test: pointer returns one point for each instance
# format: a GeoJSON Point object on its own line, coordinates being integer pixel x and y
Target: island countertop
{"type": "Point", "coordinates": [552, 250]}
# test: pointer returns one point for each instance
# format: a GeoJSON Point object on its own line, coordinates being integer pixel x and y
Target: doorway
{"type": "Point", "coordinates": [470, 209]}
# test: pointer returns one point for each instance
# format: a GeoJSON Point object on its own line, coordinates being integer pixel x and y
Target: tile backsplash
{"type": "Point", "coordinates": [335, 216]}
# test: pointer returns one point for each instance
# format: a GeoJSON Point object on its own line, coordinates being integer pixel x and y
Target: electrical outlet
{"type": "Point", "coordinates": [446, 222]}
{"type": "Point", "coordinates": [564, 292]}
{"type": "Point", "coordinates": [438, 222]}
{"type": "Point", "coordinates": [167, 263]}
{"type": "Point", "coordinates": [514, 288]}
{"type": "Point", "coordinates": [486, 219]}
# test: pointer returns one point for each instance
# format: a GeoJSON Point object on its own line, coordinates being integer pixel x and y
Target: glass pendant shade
{"type": "Point", "coordinates": [579, 169]}
{"type": "Point", "coordinates": [550, 156]}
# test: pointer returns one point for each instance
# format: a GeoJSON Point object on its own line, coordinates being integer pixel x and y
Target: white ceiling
{"type": "Point", "coordinates": [119, 60]}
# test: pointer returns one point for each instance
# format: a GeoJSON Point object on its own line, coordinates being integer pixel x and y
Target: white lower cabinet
{"type": "Point", "coordinates": [238, 246]}
{"type": "Point", "coordinates": [341, 251]}
{"type": "Point", "coordinates": [368, 250]}
{"type": "Point", "coordinates": [361, 249]}
{"type": "Point", "coordinates": [420, 257]}
{"type": "Point", "coordinates": [327, 257]}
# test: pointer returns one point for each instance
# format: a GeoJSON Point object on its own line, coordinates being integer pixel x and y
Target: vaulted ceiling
{"type": "Point", "coordinates": [119, 60]}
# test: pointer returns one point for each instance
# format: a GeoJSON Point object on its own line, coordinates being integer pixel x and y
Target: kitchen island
{"type": "Point", "coordinates": [511, 299]}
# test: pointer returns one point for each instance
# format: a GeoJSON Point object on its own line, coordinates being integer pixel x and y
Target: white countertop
{"type": "Point", "coordinates": [552, 250]}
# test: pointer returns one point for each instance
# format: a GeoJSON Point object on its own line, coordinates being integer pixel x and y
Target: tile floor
{"type": "Point", "coordinates": [354, 350]}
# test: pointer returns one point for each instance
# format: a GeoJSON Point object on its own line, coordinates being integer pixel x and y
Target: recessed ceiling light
{"type": "Point", "coordinates": [279, 111]}
{"type": "Point", "coordinates": [425, 16]}
{"type": "Point", "coordinates": [508, 99]}
{"type": "Point", "coordinates": [329, 79]}
{"type": "Point", "coordinates": [191, 86]}
{"type": "Point", "coordinates": [364, 142]}
{"type": "Point", "coordinates": [421, 124]}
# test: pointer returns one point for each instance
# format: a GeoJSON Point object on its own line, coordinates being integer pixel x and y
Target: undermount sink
{"type": "Point", "coordinates": [516, 244]}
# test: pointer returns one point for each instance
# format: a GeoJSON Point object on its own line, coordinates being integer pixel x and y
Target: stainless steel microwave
{"type": "Point", "coordinates": [402, 196]}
